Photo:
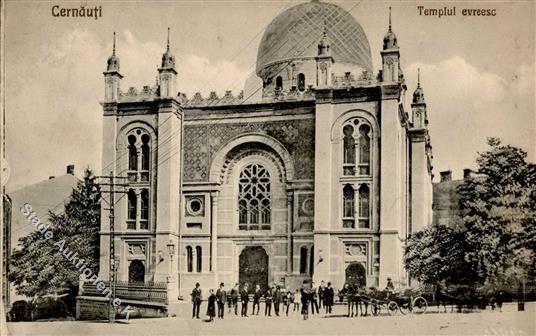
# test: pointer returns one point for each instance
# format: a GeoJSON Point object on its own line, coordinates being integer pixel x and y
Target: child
{"type": "Point", "coordinates": [297, 299]}
{"type": "Point", "coordinates": [211, 310]}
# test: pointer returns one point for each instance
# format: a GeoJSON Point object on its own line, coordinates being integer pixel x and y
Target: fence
{"type": "Point", "coordinates": [139, 291]}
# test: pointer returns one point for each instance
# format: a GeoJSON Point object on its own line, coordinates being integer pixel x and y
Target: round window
{"type": "Point", "coordinates": [308, 206]}
{"type": "Point", "coordinates": [195, 206]}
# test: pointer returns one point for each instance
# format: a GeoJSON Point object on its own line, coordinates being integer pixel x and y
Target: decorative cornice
{"type": "Point", "coordinates": [418, 134]}
{"type": "Point", "coordinates": [391, 91]}
{"type": "Point", "coordinates": [347, 95]}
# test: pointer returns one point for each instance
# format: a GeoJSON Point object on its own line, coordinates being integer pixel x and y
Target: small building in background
{"type": "Point", "coordinates": [43, 196]}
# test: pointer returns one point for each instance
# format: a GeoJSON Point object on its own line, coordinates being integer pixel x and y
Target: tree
{"type": "Point", "coordinates": [498, 204]}
{"type": "Point", "coordinates": [437, 253]}
{"type": "Point", "coordinates": [39, 267]}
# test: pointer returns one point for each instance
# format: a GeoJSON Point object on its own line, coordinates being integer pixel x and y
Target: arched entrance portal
{"type": "Point", "coordinates": [253, 267]}
{"type": "Point", "coordinates": [356, 274]}
{"type": "Point", "coordinates": [136, 271]}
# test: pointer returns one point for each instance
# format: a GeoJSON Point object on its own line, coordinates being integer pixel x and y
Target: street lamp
{"type": "Point", "coordinates": [171, 251]}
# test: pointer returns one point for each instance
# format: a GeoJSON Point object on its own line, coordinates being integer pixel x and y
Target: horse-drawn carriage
{"type": "Point", "coordinates": [465, 297]}
{"type": "Point", "coordinates": [416, 300]}
{"type": "Point", "coordinates": [407, 301]}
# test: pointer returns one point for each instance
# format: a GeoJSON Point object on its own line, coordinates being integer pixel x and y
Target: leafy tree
{"type": "Point", "coordinates": [437, 253]}
{"type": "Point", "coordinates": [499, 210]}
{"type": "Point", "coordinates": [39, 267]}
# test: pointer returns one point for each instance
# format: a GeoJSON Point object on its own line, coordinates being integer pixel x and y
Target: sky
{"type": "Point", "coordinates": [478, 73]}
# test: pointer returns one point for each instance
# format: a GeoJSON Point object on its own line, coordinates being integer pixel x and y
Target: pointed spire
{"type": "Point", "coordinates": [389, 41]}
{"type": "Point", "coordinates": [323, 46]}
{"type": "Point", "coordinates": [113, 53]}
{"type": "Point", "coordinates": [167, 38]}
{"type": "Point", "coordinates": [168, 60]}
{"type": "Point", "coordinates": [390, 18]}
{"type": "Point", "coordinates": [113, 61]}
{"type": "Point", "coordinates": [418, 95]}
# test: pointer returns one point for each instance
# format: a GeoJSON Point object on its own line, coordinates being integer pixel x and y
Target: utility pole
{"type": "Point", "coordinates": [112, 249]}
{"type": "Point", "coordinates": [113, 263]}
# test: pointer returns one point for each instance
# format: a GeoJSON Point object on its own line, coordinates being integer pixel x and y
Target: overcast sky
{"type": "Point", "coordinates": [477, 72]}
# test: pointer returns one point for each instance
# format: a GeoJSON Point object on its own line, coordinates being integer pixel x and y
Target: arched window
{"type": "Point", "coordinates": [132, 157]}
{"type": "Point", "coordinates": [364, 210]}
{"type": "Point", "coordinates": [144, 215]}
{"type": "Point", "coordinates": [189, 259]}
{"type": "Point", "coordinates": [312, 261]}
{"type": "Point", "coordinates": [243, 212]}
{"type": "Point", "coordinates": [254, 205]}
{"type": "Point", "coordinates": [301, 82]}
{"type": "Point", "coordinates": [139, 155]}
{"type": "Point", "coordinates": [349, 150]}
{"type": "Point", "coordinates": [348, 206]}
{"type": "Point", "coordinates": [145, 157]}
{"type": "Point", "coordinates": [199, 255]}
{"type": "Point", "coordinates": [132, 210]}
{"type": "Point", "coordinates": [139, 165]}
{"type": "Point", "coordinates": [303, 260]}
{"type": "Point", "coordinates": [279, 83]}
{"type": "Point", "coordinates": [364, 150]}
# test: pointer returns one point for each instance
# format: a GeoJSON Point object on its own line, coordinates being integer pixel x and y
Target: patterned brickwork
{"type": "Point", "coordinates": [201, 142]}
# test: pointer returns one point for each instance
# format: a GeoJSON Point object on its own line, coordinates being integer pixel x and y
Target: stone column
{"type": "Point", "coordinates": [214, 232]}
{"type": "Point", "coordinates": [290, 229]}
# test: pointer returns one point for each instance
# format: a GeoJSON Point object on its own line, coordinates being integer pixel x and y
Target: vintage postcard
{"type": "Point", "coordinates": [268, 167]}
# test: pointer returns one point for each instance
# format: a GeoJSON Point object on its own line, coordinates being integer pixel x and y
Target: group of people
{"type": "Point", "coordinates": [274, 296]}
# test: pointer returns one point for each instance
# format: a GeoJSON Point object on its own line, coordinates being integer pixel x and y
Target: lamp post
{"type": "Point", "coordinates": [171, 251]}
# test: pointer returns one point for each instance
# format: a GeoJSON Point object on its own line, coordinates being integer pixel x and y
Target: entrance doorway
{"type": "Point", "coordinates": [136, 271]}
{"type": "Point", "coordinates": [356, 275]}
{"type": "Point", "coordinates": [253, 267]}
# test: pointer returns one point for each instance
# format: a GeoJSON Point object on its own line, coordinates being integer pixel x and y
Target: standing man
{"type": "Point", "coordinates": [268, 297]}
{"type": "Point", "coordinates": [314, 299]}
{"type": "Point", "coordinates": [277, 300]}
{"type": "Point", "coordinates": [221, 297]}
{"type": "Point", "coordinates": [256, 299]}
{"type": "Point", "coordinates": [289, 299]}
{"type": "Point", "coordinates": [321, 291]}
{"type": "Point", "coordinates": [234, 299]}
{"type": "Point", "coordinates": [305, 296]}
{"type": "Point", "coordinates": [196, 300]}
{"type": "Point", "coordinates": [329, 295]}
{"type": "Point", "coordinates": [244, 297]}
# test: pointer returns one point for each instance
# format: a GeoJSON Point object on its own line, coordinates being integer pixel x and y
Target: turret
{"type": "Point", "coordinates": [390, 56]}
{"type": "Point", "coordinates": [418, 106]}
{"type": "Point", "coordinates": [324, 61]}
{"type": "Point", "coordinates": [167, 73]}
{"type": "Point", "coordinates": [112, 78]}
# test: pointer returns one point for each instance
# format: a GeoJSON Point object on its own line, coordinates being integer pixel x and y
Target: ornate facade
{"type": "Point", "coordinates": [322, 178]}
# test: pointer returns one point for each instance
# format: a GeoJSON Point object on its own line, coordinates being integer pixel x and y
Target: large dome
{"type": "Point", "coordinates": [295, 33]}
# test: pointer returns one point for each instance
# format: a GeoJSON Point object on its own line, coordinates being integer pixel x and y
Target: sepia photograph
{"type": "Point", "coordinates": [268, 167]}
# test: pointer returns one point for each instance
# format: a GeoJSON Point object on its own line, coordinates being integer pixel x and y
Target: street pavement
{"type": "Point", "coordinates": [488, 322]}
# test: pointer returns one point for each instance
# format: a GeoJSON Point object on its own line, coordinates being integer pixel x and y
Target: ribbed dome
{"type": "Point", "coordinates": [295, 33]}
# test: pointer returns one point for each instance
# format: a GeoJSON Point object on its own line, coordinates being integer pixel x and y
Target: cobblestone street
{"type": "Point", "coordinates": [508, 322]}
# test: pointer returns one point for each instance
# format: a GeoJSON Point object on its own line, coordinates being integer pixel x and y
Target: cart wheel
{"type": "Point", "coordinates": [419, 305]}
{"type": "Point", "coordinates": [376, 308]}
{"type": "Point", "coordinates": [404, 307]}
{"type": "Point", "coordinates": [392, 307]}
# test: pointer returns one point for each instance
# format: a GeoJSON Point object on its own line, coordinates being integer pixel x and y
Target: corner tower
{"type": "Point", "coordinates": [390, 56]}
{"type": "Point", "coordinates": [167, 74]}
{"type": "Point", "coordinates": [421, 162]}
{"type": "Point", "coordinates": [112, 78]}
{"type": "Point", "coordinates": [142, 148]}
